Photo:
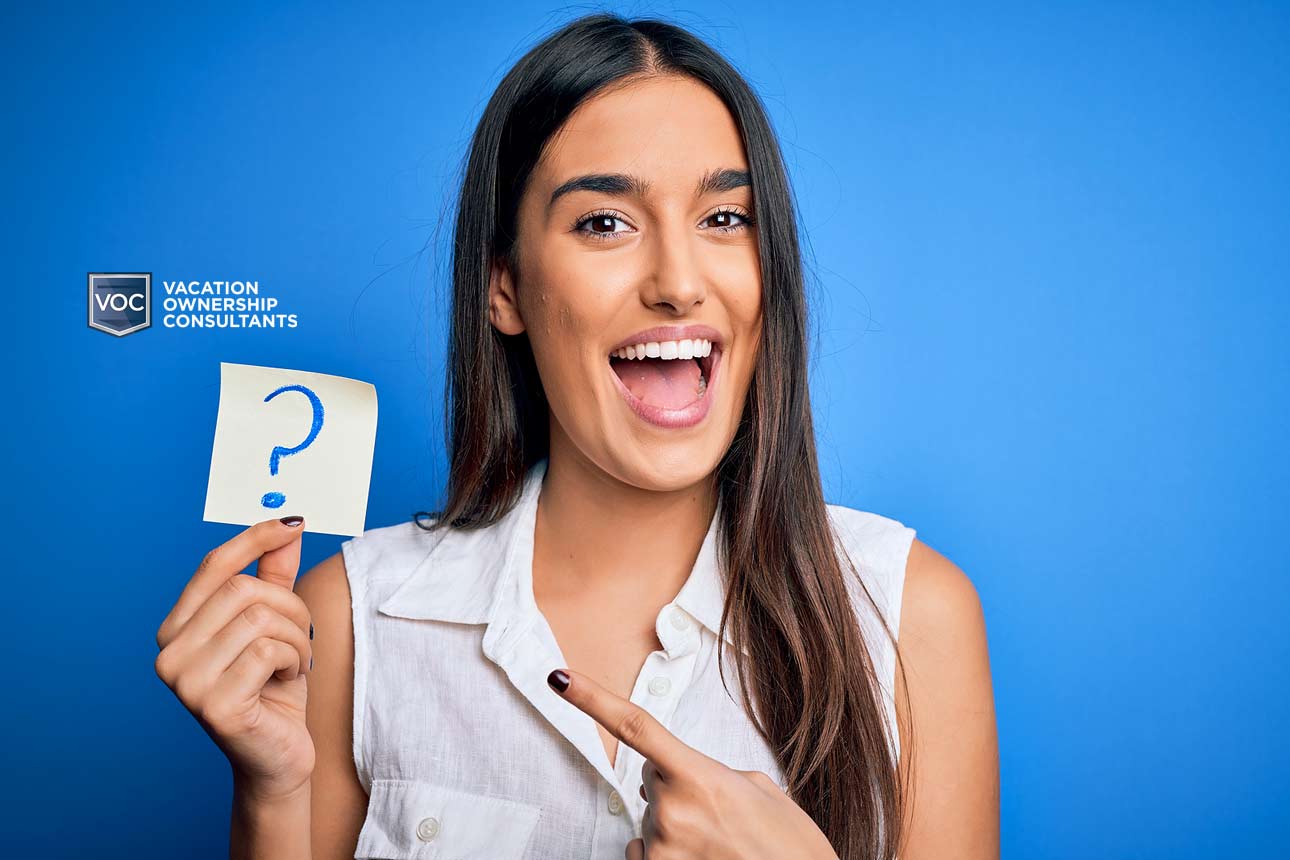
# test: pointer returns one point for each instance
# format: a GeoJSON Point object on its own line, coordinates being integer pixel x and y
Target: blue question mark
{"type": "Point", "coordinates": [275, 500]}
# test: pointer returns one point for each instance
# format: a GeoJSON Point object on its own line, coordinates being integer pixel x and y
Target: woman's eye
{"type": "Point", "coordinates": [728, 220]}
{"type": "Point", "coordinates": [601, 225]}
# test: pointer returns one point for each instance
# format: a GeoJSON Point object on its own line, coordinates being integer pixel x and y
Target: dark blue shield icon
{"type": "Point", "coordinates": [120, 303]}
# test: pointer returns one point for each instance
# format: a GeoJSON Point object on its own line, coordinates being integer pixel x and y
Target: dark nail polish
{"type": "Point", "coordinates": [291, 521]}
{"type": "Point", "coordinates": [311, 663]}
{"type": "Point", "coordinates": [311, 630]}
{"type": "Point", "coordinates": [559, 680]}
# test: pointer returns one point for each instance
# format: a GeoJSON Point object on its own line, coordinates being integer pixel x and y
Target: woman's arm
{"type": "Point", "coordinates": [337, 802]}
{"type": "Point", "coordinates": [954, 809]}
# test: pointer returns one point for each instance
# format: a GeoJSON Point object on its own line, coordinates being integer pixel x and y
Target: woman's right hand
{"type": "Point", "coordinates": [235, 649]}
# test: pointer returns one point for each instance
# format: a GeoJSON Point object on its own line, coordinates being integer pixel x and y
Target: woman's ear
{"type": "Point", "coordinates": [503, 307]}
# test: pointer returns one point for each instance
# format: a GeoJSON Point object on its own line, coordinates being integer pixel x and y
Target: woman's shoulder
{"type": "Point", "coordinates": [911, 578]}
{"type": "Point", "coordinates": [388, 552]}
{"type": "Point", "coordinates": [941, 601]}
{"type": "Point", "coordinates": [879, 548]}
{"type": "Point", "coordinates": [879, 533]}
{"type": "Point", "coordinates": [384, 555]}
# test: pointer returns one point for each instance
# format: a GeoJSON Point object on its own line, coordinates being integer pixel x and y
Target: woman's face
{"type": "Point", "coordinates": [636, 228]}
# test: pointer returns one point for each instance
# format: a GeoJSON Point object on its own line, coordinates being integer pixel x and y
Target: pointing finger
{"type": "Point", "coordinates": [629, 722]}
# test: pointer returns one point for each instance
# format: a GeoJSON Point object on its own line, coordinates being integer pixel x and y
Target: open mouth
{"type": "Point", "coordinates": [667, 382]}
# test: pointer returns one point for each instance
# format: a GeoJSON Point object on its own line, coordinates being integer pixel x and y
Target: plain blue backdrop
{"type": "Point", "coordinates": [1048, 252]}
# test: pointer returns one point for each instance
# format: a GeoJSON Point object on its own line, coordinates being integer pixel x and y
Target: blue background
{"type": "Point", "coordinates": [1049, 253]}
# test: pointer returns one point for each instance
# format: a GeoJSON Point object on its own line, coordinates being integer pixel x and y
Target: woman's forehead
{"type": "Point", "coordinates": [668, 130]}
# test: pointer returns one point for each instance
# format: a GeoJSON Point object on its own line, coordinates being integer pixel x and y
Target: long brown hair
{"type": "Point", "coordinates": [815, 694]}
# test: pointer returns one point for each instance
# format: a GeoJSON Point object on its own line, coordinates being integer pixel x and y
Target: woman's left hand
{"type": "Point", "coordinates": [699, 809]}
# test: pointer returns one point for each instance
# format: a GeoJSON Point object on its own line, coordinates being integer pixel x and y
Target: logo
{"type": "Point", "coordinates": [120, 303]}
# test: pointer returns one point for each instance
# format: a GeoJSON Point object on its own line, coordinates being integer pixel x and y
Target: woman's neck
{"type": "Point", "coordinates": [598, 536]}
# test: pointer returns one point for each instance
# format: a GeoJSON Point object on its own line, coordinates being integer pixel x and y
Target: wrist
{"type": "Point", "coordinates": [252, 794]}
{"type": "Point", "coordinates": [269, 822]}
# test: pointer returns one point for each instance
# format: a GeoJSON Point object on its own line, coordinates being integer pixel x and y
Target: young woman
{"type": "Point", "coordinates": [635, 628]}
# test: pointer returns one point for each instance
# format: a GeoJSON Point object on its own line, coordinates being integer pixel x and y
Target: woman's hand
{"type": "Point", "coordinates": [235, 648]}
{"type": "Point", "coordinates": [699, 809]}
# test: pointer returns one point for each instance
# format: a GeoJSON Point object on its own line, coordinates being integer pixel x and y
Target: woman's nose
{"type": "Point", "coordinates": [676, 280]}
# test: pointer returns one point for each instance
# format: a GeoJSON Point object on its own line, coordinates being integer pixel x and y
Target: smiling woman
{"type": "Point", "coordinates": [635, 222]}
{"type": "Point", "coordinates": [540, 668]}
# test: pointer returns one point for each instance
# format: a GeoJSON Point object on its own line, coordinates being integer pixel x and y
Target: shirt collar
{"type": "Point", "coordinates": [481, 576]}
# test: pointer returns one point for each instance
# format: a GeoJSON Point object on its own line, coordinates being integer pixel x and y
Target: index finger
{"type": "Point", "coordinates": [630, 723]}
{"type": "Point", "coordinates": [231, 558]}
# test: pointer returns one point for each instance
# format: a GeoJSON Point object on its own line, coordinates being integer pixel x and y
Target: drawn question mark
{"type": "Point", "coordinates": [274, 499]}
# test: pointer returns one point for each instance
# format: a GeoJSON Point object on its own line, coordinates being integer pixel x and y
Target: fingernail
{"type": "Point", "coordinates": [311, 663]}
{"type": "Point", "coordinates": [311, 630]}
{"type": "Point", "coordinates": [291, 521]}
{"type": "Point", "coordinates": [559, 680]}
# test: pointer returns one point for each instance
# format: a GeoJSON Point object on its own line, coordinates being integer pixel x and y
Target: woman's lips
{"type": "Point", "coordinates": [686, 416]}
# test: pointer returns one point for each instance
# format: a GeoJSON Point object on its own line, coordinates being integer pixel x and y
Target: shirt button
{"type": "Point", "coordinates": [659, 686]}
{"type": "Point", "coordinates": [615, 802]}
{"type": "Point", "coordinates": [680, 620]}
{"type": "Point", "coordinates": [428, 829]}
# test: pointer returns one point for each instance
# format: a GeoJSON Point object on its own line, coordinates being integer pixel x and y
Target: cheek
{"type": "Point", "coordinates": [743, 302]}
{"type": "Point", "coordinates": [570, 325]}
{"type": "Point", "coordinates": [565, 298]}
{"type": "Point", "coordinates": [745, 312]}
{"type": "Point", "coordinates": [537, 310]}
{"type": "Point", "coordinates": [566, 324]}
{"type": "Point", "coordinates": [561, 335]}
{"type": "Point", "coordinates": [745, 309]}
{"type": "Point", "coordinates": [740, 280]}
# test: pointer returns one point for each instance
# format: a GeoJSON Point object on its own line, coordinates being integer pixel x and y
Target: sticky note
{"type": "Point", "coordinates": [292, 442]}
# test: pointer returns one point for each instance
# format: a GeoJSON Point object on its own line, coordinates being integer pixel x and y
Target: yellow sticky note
{"type": "Point", "coordinates": [292, 442]}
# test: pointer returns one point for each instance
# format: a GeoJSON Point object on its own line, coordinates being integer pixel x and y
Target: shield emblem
{"type": "Point", "coordinates": [120, 303]}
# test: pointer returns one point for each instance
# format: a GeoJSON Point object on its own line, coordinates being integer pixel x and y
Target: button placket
{"type": "Point", "coordinates": [677, 632]}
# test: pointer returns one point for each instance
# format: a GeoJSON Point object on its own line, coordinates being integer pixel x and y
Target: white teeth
{"type": "Point", "coordinates": [666, 349]}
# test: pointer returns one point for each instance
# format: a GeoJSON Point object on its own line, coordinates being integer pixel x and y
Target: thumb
{"type": "Point", "coordinates": [281, 564]}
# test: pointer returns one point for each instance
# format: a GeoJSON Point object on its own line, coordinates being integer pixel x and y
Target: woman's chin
{"type": "Point", "coordinates": [665, 466]}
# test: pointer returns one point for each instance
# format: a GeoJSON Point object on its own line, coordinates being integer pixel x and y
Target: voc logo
{"type": "Point", "coordinates": [120, 303]}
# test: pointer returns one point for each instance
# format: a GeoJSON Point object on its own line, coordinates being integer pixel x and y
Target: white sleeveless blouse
{"type": "Point", "coordinates": [463, 749]}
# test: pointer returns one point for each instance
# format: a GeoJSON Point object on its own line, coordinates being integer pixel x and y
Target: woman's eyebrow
{"type": "Point", "coordinates": [722, 179]}
{"type": "Point", "coordinates": [725, 179]}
